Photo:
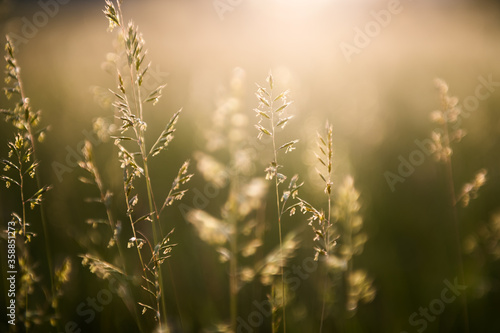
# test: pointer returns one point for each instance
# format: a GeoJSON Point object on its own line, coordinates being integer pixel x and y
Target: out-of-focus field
{"type": "Point", "coordinates": [379, 103]}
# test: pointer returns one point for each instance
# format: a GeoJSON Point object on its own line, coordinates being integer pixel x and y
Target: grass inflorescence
{"type": "Point", "coordinates": [237, 233]}
{"type": "Point", "coordinates": [448, 133]}
{"type": "Point", "coordinates": [135, 156]}
{"type": "Point", "coordinates": [21, 171]}
{"type": "Point", "coordinates": [338, 235]}
{"type": "Point", "coordinates": [272, 117]}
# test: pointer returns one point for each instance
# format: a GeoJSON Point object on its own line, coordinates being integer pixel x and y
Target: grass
{"type": "Point", "coordinates": [135, 156]}
{"type": "Point", "coordinates": [23, 161]}
{"type": "Point", "coordinates": [238, 234]}
{"type": "Point", "coordinates": [272, 116]}
{"type": "Point", "coordinates": [447, 118]}
{"type": "Point", "coordinates": [338, 237]}
{"type": "Point", "coordinates": [167, 281]}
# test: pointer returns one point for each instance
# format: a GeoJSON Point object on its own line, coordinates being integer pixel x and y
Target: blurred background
{"type": "Point", "coordinates": [376, 87]}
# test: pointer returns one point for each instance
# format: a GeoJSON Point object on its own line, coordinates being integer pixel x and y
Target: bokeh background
{"type": "Point", "coordinates": [378, 102]}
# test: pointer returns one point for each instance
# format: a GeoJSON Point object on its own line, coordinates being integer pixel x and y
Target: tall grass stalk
{"type": "Point", "coordinates": [326, 148]}
{"type": "Point", "coordinates": [237, 234]}
{"type": "Point", "coordinates": [324, 231]}
{"type": "Point", "coordinates": [447, 118]}
{"type": "Point", "coordinates": [130, 103]}
{"type": "Point", "coordinates": [456, 225]}
{"type": "Point", "coordinates": [25, 119]}
{"type": "Point", "coordinates": [105, 197]}
{"type": "Point", "coordinates": [233, 260]}
{"type": "Point", "coordinates": [275, 118]}
{"type": "Point", "coordinates": [337, 235]}
{"type": "Point", "coordinates": [234, 174]}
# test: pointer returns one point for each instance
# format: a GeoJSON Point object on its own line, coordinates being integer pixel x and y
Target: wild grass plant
{"type": "Point", "coordinates": [21, 174]}
{"type": "Point", "coordinates": [102, 268]}
{"type": "Point", "coordinates": [272, 115]}
{"type": "Point", "coordinates": [238, 232]}
{"type": "Point", "coordinates": [135, 156]}
{"type": "Point", "coordinates": [449, 132]}
{"type": "Point", "coordinates": [338, 237]}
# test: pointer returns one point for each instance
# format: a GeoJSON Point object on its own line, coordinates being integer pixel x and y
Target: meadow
{"type": "Point", "coordinates": [250, 166]}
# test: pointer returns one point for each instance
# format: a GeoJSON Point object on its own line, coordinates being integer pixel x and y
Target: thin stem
{"type": "Point", "coordinates": [136, 91]}
{"type": "Point", "coordinates": [21, 182]}
{"type": "Point", "coordinates": [327, 239]}
{"type": "Point", "coordinates": [151, 201]}
{"type": "Point", "coordinates": [140, 140]}
{"type": "Point", "coordinates": [140, 135]}
{"type": "Point", "coordinates": [451, 187]}
{"type": "Point", "coordinates": [109, 214]}
{"type": "Point", "coordinates": [176, 296]}
{"type": "Point", "coordinates": [112, 225]}
{"type": "Point", "coordinates": [273, 129]}
{"type": "Point", "coordinates": [233, 283]}
{"type": "Point", "coordinates": [133, 228]}
{"type": "Point", "coordinates": [38, 183]}
{"type": "Point", "coordinates": [233, 280]}
{"type": "Point", "coordinates": [158, 294]}
{"type": "Point", "coordinates": [151, 204]}
{"type": "Point", "coordinates": [349, 265]}
{"type": "Point", "coordinates": [152, 209]}
{"type": "Point", "coordinates": [324, 303]}
{"type": "Point", "coordinates": [143, 267]}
